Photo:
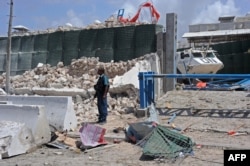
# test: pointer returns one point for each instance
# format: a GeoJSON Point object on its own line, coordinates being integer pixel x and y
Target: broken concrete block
{"type": "Point", "coordinates": [60, 92]}
{"type": "Point", "coordinates": [59, 109]}
{"type": "Point", "coordinates": [15, 138]}
{"type": "Point", "coordinates": [24, 90]}
{"type": "Point", "coordinates": [33, 117]}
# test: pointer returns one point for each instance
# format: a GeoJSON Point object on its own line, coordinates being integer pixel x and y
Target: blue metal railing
{"type": "Point", "coordinates": [146, 83]}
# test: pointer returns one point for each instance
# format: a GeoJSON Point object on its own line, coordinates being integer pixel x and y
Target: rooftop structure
{"type": "Point", "coordinates": [229, 28]}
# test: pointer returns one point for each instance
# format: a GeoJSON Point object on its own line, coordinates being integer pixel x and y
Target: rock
{"type": "Point", "coordinates": [78, 99]}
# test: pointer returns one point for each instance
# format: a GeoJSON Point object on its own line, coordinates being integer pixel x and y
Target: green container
{"type": "Point", "coordinates": [227, 48]}
{"type": "Point", "coordinates": [41, 42]}
{"type": "Point", "coordinates": [124, 54]}
{"type": "Point", "coordinates": [20, 72]}
{"type": "Point", "coordinates": [105, 55]}
{"type": "Point", "coordinates": [238, 60]}
{"type": "Point", "coordinates": [2, 62]}
{"type": "Point", "coordinates": [14, 62]}
{"type": "Point", "coordinates": [230, 64]}
{"type": "Point", "coordinates": [27, 43]}
{"type": "Point", "coordinates": [54, 57]}
{"type": "Point", "coordinates": [86, 53]}
{"type": "Point", "coordinates": [105, 38]}
{"type": "Point", "coordinates": [15, 44]}
{"type": "Point", "coordinates": [246, 63]}
{"type": "Point", "coordinates": [55, 41]}
{"type": "Point", "coordinates": [145, 35]}
{"type": "Point", "coordinates": [38, 57]}
{"type": "Point", "coordinates": [217, 48]}
{"type": "Point", "coordinates": [245, 45]}
{"type": "Point", "coordinates": [141, 51]}
{"type": "Point", "coordinates": [87, 39]}
{"type": "Point", "coordinates": [24, 61]}
{"type": "Point", "coordinates": [71, 40]}
{"type": "Point", "coordinates": [125, 37]}
{"type": "Point", "coordinates": [236, 47]}
{"type": "Point", "coordinates": [3, 45]}
{"type": "Point", "coordinates": [68, 55]}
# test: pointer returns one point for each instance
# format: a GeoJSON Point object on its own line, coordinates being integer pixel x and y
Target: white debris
{"type": "Point", "coordinates": [15, 139]}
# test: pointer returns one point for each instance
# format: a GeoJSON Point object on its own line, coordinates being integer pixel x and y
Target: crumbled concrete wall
{"type": "Point", "coordinates": [77, 80]}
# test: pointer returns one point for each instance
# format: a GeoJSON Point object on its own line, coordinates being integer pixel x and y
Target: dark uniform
{"type": "Point", "coordinates": [102, 105]}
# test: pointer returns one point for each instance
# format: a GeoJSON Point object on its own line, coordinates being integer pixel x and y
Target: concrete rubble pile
{"type": "Point", "coordinates": [61, 98]}
{"type": "Point", "coordinates": [77, 80]}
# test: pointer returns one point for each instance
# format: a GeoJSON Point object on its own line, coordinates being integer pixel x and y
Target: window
{"type": "Point", "coordinates": [209, 55]}
{"type": "Point", "coordinates": [197, 54]}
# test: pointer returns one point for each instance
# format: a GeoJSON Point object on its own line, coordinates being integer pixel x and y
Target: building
{"type": "Point", "coordinates": [229, 28]}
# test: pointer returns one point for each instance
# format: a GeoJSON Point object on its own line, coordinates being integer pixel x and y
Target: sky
{"type": "Point", "coordinates": [42, 14]}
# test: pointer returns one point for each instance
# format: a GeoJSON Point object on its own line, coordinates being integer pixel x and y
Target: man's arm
{"type": "Point", "coordinates": [105, 91]}
{"type": "Point", "coordinates": [106, 84]}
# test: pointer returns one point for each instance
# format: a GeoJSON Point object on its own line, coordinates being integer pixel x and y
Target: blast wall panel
{"type": "Point", "coordinates": [118, 43]}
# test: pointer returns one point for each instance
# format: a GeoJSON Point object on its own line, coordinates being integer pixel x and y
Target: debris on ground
{"type": "Point", "coordinates": [164, 143]}
{"type": "Point", "coordinates": [92, 136]}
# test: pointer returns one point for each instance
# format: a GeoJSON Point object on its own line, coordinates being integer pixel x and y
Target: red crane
{"type": "Point", "coordinates": [154, 13]}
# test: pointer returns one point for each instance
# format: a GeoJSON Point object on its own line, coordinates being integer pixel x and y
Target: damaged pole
{"type": "Point", "coordinates": [8, 48]}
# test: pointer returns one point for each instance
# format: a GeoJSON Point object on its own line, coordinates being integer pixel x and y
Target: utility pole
{"type": "Point", "coordinates": [171, 37]}
{"type": "Point", "coordinates": [8, 58]}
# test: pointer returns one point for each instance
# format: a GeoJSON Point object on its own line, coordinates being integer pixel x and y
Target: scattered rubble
{"type": "Point", "coordinates": [44, 84]}
{"type": "Point", "coordinates": [77, 80]}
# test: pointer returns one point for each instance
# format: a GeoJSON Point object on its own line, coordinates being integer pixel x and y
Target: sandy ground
{"type": "Point", "coordinates": [208, 115]}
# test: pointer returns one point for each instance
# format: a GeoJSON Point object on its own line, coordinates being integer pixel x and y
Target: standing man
{"type": "Point", "coordinates": [102, 88]}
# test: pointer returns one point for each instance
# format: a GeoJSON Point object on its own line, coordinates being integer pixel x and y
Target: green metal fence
{"type": "Point", "coordinates": [15, 44]}
{"type": "Point", "coordinates": [27, 44]}
{"type": "Point", "coordinates": [235, 56]}
{"type": "Point", "coordinates": [118, 44]}
{"type": "Point", "coordinates": [41, 42]}
{"type": "Point", "coordinates": [55, 41]}
{"type": "Point", "coordinates": [3, 45]}
{"type": "Point", "coordinates": [125, 37]}
{"type": "Point", "coordinates": [2, 62]}
{"type": "Point", "coordinates": [24, 61]}
{"type": "Point", "coordinates": [87, 39]}
{"type": "Point", "coordinates": [39, 57]}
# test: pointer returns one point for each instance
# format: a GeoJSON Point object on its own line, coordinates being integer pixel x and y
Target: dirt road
{"type": "Point", "coordinates": [206, 116]}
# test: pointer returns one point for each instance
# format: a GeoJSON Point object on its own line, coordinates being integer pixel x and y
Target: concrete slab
{"type": "Point", "coordinates": [59, 109]}
{"type": "Point", "coordinates": [32, 116]}
{"type": "Point", "coordinates": [60, 92]}
{"type": "Point", "coordinates": [15, 138]}
{"type": "Point", "coordinates": [5, 102]}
